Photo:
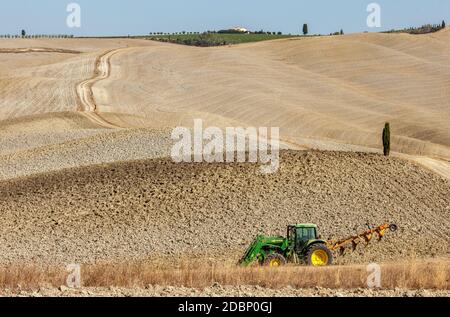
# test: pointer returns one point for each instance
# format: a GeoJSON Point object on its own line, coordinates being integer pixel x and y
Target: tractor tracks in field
{"type": "Point", "coordinates": [85, 95]}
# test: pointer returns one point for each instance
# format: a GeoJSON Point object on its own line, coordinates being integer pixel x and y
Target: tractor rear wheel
{"type": "Point", "coordinates": [393, 227]}
{"type": "Point", "coordinates": [274, 260]}
{"type": "Point", "coordinates": [319, 255]}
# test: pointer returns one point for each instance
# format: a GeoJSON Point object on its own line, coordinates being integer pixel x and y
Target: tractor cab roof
{"type": "Point", "coordinates": [304, 225]}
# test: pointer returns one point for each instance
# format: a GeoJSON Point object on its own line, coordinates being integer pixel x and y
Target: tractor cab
{"type": "Point", "coordinates": [300, 235]}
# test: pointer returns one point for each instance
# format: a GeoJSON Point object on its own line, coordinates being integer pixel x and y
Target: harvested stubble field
{"type": "Point", "coordinates": [157, 209]}
{"type": "Point", "coordinates": [197, 278]}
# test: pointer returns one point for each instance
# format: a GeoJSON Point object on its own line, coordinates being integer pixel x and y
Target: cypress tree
{"type": "Point", "coordinates": [305, 29]}
{"type": "Point", "coordinates": [386, 139]}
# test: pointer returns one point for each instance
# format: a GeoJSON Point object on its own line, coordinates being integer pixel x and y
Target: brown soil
{"type": "Point", "coordinates": [159, 209]}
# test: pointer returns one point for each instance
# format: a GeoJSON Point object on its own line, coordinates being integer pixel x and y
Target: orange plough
{"type": "Point", "coordinates": [364, 237]}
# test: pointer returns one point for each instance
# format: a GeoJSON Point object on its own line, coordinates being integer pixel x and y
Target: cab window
{"type": "Point", "coordinates": [306, 233]}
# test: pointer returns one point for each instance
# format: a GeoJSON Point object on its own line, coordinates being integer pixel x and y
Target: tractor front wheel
{"type": "Point", "coordinates": [319, 255]}
{"type": "Point", "coordinates": [274, 260]}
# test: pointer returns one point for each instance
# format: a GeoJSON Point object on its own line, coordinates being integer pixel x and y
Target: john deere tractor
{"type": "Point", "coordinates": [301, 245]}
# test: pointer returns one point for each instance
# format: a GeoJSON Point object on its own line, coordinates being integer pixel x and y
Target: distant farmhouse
{"type": "Point", "coordinates": [240, 29]}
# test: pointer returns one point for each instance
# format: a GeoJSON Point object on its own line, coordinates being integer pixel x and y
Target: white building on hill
{"type": "Point", "coordinates": [239, 29]}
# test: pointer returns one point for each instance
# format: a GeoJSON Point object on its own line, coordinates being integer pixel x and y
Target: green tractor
{"type": "Point", "coordinates": [302, 244]}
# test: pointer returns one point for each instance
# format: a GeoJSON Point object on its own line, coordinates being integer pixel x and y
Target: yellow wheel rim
{"type": "Point", "coordinates": [319, 258]}
{"type": "Point", "coordinates": [274, 263]}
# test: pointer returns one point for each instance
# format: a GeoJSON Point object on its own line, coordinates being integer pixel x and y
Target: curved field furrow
{"type": "Point", "coordinates": [85, 94]}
